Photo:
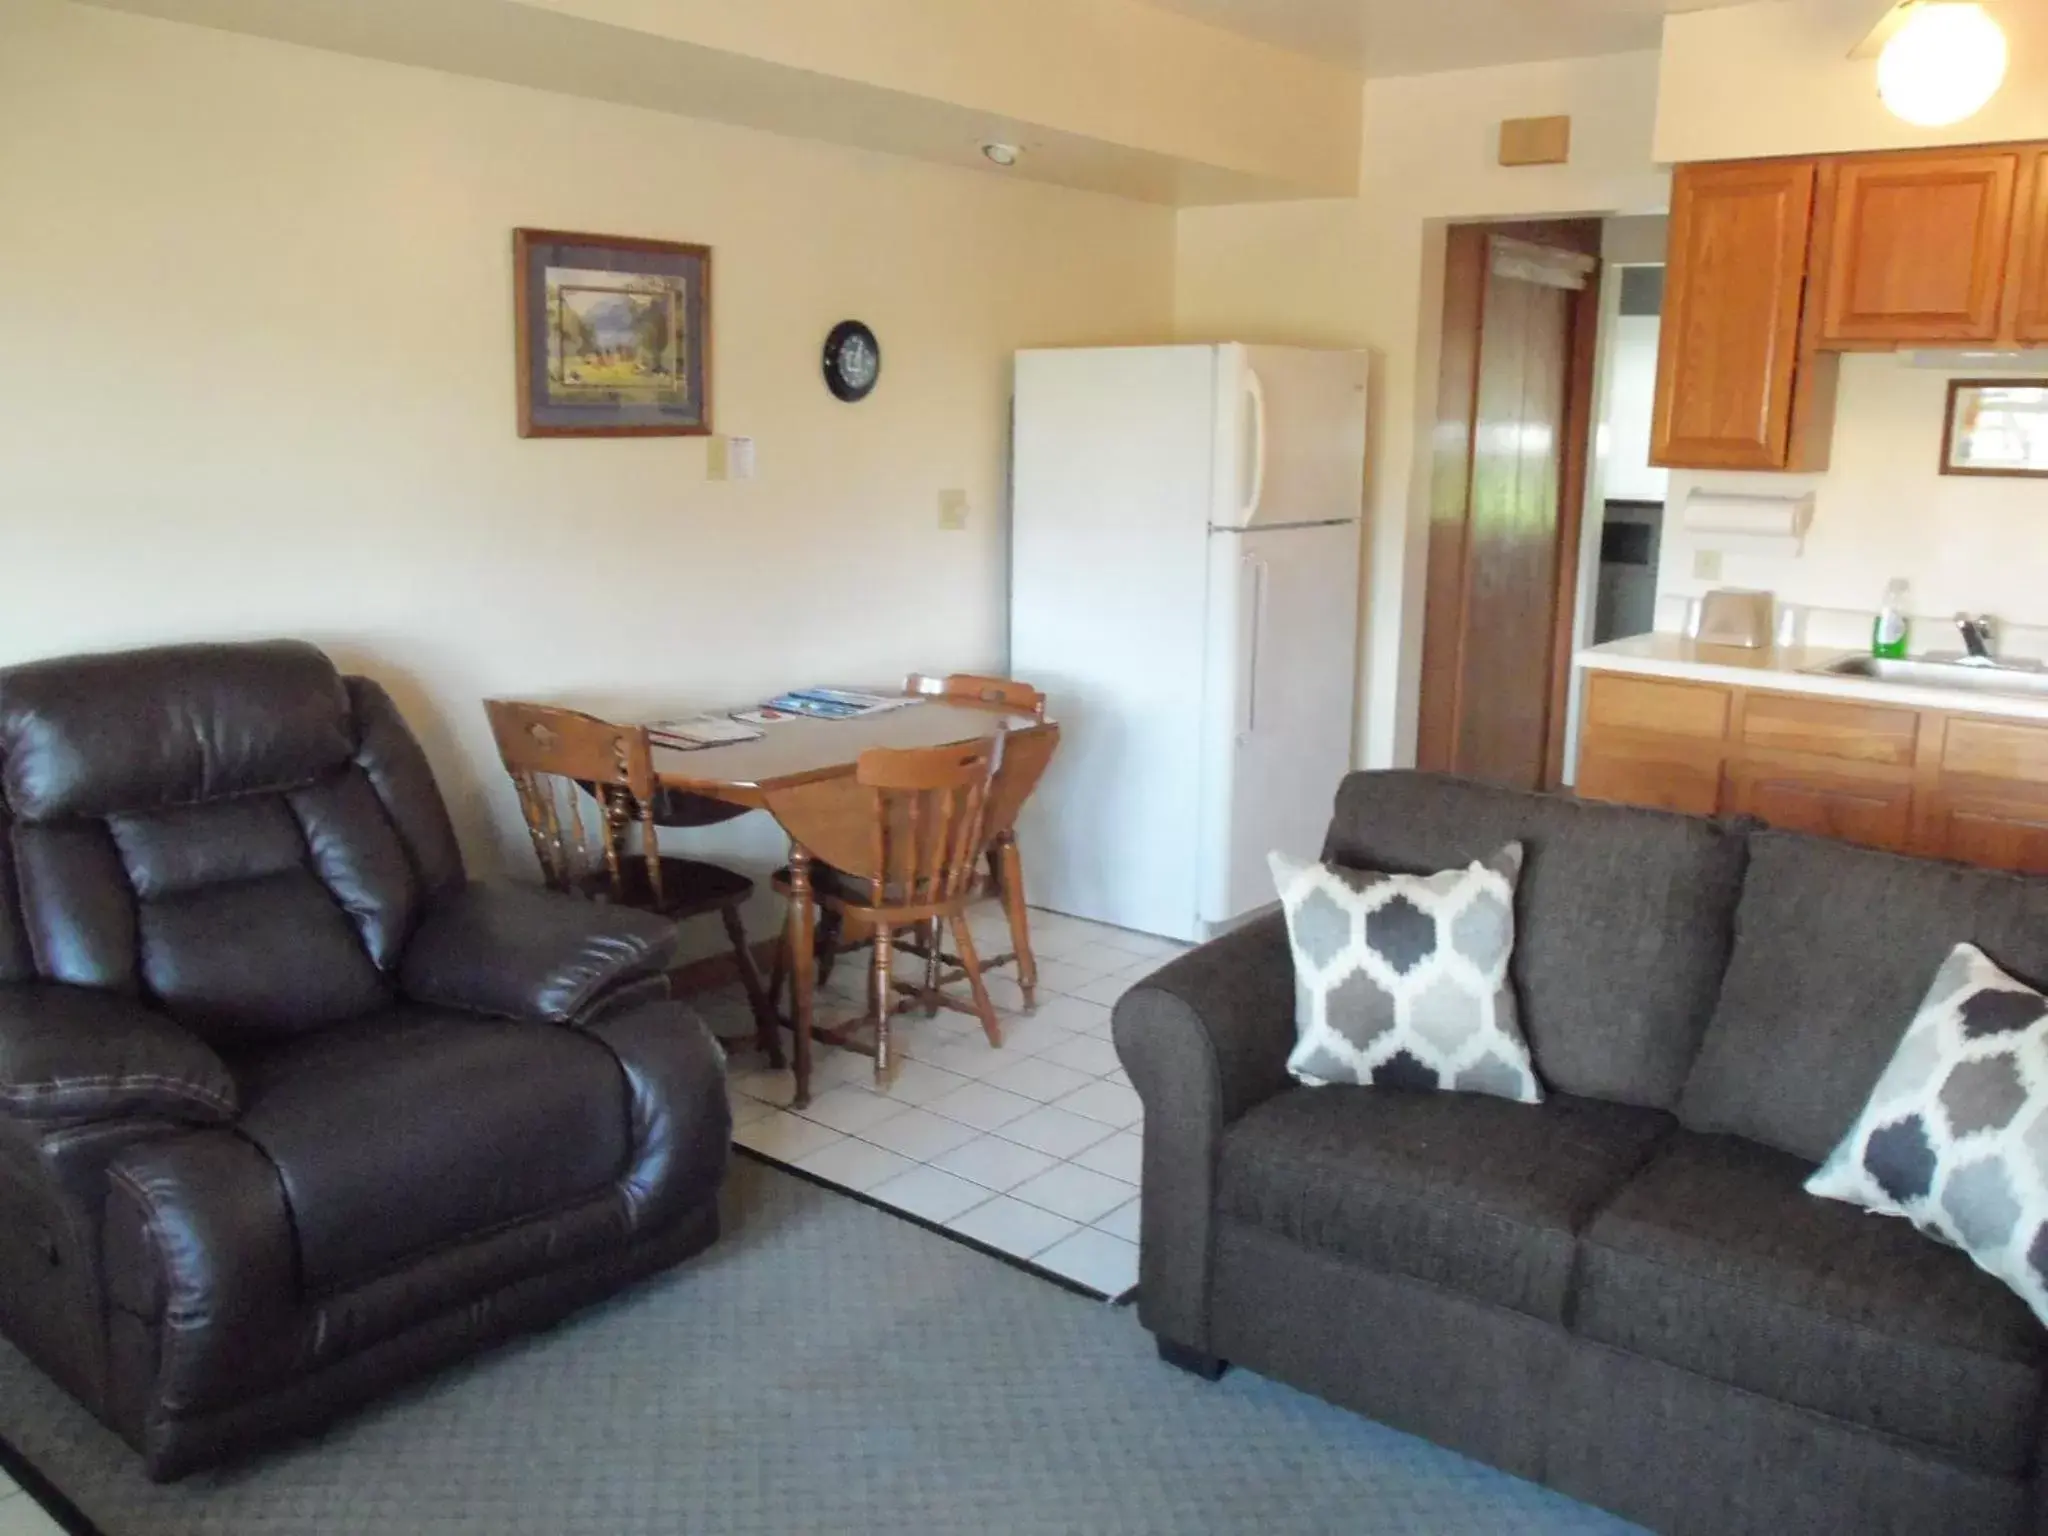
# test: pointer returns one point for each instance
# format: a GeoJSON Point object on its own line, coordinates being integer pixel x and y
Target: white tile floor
{"type": "Point", "coordinates": [21, 1515]}
{"type": "Point", "coordinates": [1032, 1149]}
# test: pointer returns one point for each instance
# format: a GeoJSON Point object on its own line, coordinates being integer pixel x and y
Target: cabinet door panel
{"type": "Point", "coordinates": [1665, 776]}
{"type": "Point", "coordinates": [1728, 352]}
{"type": "Point", "coordinates": [1872, 812]}
{"type": "Point", "coordinates": [1918, 248]}
{"type": "Point", "coordinates": [2011, 837]}
{"type": "Point", "coordinates": [2030, 309]}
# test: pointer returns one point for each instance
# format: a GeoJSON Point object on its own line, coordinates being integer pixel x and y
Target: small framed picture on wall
{"type": "Point", "coordinates": [1996, 427]}
{"type": "Point", "coordinates": [613, 335]}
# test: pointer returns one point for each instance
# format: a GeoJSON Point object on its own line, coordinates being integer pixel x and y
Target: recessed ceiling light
{"type": "Point", "coordinates": [1943, 65]}
{"type": "Point", "coordinates": [998, 153]}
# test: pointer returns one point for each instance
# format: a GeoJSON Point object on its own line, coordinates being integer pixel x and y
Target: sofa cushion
{"type": "Point", "coordinates": [1477, 1194]}
{"type": "Point", "coordinates": [1834, 948]}
{"type": "Point", "coordinates": [417, 1128]}
{"type": "Point", "coordinates": [1715, 1260]}
{"type": "Point", "coordinates": [1402, 980]}
{"type": "Point", "coordinates": [1622, 918]}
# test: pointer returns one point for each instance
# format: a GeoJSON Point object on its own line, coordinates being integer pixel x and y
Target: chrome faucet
{"type": "Point", "coordinates": [1976, 632]}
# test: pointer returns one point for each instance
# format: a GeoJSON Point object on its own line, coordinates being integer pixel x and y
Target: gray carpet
{"type": "Point", "coordinates": [826, 1367]}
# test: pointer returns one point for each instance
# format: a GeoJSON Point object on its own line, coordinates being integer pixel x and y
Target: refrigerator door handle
{"type": "Point", "coordinates": [1252, 603]}
{"type": "Point", "coordinates": [1255, 392]}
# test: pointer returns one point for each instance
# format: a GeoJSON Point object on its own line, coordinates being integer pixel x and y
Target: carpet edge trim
{"type": "Point", "coordinates": [1064, 1282]}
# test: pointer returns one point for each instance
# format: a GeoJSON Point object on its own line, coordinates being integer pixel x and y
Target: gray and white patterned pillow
{"type": "Point", "coordinates": [1955, 1135]}
{"type": "Point", "coordinates": [1402, 980]}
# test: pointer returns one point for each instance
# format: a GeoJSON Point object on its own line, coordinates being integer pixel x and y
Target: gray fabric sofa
{"type": "Point", "coordinates": [1622, 1292]}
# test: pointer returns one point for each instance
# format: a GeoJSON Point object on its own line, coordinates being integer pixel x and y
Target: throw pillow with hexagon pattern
{"type": "Point", "coordinates": [1955, 1136]}
{"type": "Point", "coordinates": [1401, 981]}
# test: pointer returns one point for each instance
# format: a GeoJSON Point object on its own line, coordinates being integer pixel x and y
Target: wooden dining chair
{"type": "Point", "coordinates": [562, 761]}
{"type": "Point", "coordinates": [1016, 776]}
{"type": "Point", "coordinates": [1004, 693]}
{"type": "Point", "coordinates": [928, 813]}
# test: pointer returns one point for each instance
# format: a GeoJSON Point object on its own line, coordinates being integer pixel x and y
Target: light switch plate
{"type": "Point", "coordinates": [952, 510]}
{"type": "Point", "coordinates": [729, 458]}
{"type": "Point", "coordinates": [1706, 565]}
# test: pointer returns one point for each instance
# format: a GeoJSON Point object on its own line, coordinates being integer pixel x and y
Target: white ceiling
{"type": "Point", "coordinates": [1414, 37]}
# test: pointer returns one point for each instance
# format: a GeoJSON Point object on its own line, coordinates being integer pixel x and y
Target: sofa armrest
{"type": "Point", "coordinates": [519, 952]}
{"type": "Point", "coordinates": [1204, 1039]}
{"type": "Point", "coordinates": [79, 1053]}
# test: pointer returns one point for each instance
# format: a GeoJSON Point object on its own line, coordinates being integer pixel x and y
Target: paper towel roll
{"type": "Point", "coordinates": [1763, 525]}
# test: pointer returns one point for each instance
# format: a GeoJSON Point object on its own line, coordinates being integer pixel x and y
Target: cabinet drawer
{"type": "Point", "coordinates": [1618, 703]}
{"type": "Point", "coordinates": [1858, 733]}
{"type": "Point", "coordinates": [1996, 749]}
{"type": "Point", "coordinates": [1874, 812]}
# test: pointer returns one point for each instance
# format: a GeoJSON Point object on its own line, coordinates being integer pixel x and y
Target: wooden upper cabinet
{"type": "Point", "coordinates": [2030, 267]}
{"type": "Point", "coordinates": [1917, 247]}
{"type": "Point", "coordinates": [1729, 354]}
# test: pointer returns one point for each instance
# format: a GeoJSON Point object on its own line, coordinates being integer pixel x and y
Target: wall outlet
{"type": "Point", "coordinates": [952, 510]}
{"type": "Point", "coordinates": [1706, 565]}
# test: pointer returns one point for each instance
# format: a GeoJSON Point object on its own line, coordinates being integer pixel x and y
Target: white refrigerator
{"type": "Point", "coordinates": [1184, 586]}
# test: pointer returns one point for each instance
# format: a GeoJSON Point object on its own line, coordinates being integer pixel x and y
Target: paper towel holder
{"type": "Point", "coordinates": [1748, 524]}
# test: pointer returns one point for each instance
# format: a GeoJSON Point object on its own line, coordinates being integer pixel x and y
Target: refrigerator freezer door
{"type": "Point", "coordinates": [1282, 700]}
{"type": "Point", "coordinates": [1291, 444]}
{"type": "Point", "coordinates": [1109, 568]}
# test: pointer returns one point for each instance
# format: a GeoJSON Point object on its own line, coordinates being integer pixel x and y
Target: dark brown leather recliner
{"type": "Point", "coordinates": [289, 1110]}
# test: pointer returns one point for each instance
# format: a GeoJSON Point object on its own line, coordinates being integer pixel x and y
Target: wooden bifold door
{"type": "Point", "coordinates": [1520, 311]}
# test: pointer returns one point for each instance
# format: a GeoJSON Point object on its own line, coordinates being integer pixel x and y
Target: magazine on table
{"type": "Point", "coordinates": [693, 733]}
{"type": "Point", "coordinates": [833, 703]}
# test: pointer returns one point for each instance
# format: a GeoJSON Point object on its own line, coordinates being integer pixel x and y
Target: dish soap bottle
{"type": "Point", "coordinates": [1888, 636]}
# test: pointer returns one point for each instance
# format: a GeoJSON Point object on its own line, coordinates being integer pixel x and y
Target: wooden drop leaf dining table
{"type": "Point", "coordinates": [801, 771]}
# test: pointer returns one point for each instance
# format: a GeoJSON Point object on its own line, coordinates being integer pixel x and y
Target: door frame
{"type": "Point", "coordinates": [1466, 265]}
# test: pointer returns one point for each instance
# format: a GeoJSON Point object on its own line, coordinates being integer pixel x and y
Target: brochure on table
{"type": "Point", "coordinates": [692, 733]}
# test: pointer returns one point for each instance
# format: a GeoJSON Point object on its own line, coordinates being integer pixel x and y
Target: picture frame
{"type": "Point", "coordinates": [1996, 427]}
{"type": "Point", "coordinates": [613, 335]}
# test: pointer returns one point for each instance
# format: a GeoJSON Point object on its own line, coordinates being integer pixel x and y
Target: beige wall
{"type": "Point", "coordinates": [258, 380]}
{"type": "Point", "coordinates": [1367, 272]}
{"type": "Point", "coordinates": [1881, 511]}
{"type": "Point", "coordinates": [1775, 78]}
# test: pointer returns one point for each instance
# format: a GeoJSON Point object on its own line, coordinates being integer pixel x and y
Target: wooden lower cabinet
{"type": "Point", "coordinates": [1931, 782]}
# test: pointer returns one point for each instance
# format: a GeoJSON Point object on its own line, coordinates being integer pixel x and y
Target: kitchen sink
{"type": "Point", "coordinates": [2021, 677]}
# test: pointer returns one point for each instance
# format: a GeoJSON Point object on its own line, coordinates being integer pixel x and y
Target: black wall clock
{"type": "Point", "coordinates": [853, 361]}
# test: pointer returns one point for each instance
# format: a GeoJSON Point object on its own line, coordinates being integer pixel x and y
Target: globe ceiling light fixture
{"type": "Point", "coordinates": [1942, 65]}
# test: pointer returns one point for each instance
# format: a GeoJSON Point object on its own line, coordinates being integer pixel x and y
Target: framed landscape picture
{"type": "Point", "coordinates": [614, 335]}
{"type": "Point", "coordinates": [1996, 427]}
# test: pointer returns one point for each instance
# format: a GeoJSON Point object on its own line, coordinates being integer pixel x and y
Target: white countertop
{"type": "Point", "coordinates": [1786, 669]}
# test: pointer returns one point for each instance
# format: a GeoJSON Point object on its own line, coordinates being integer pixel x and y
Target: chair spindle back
{"type": "Point", "coordinates": [554, 756]}
{"type": "Point", "coordinates": [929, 810]}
